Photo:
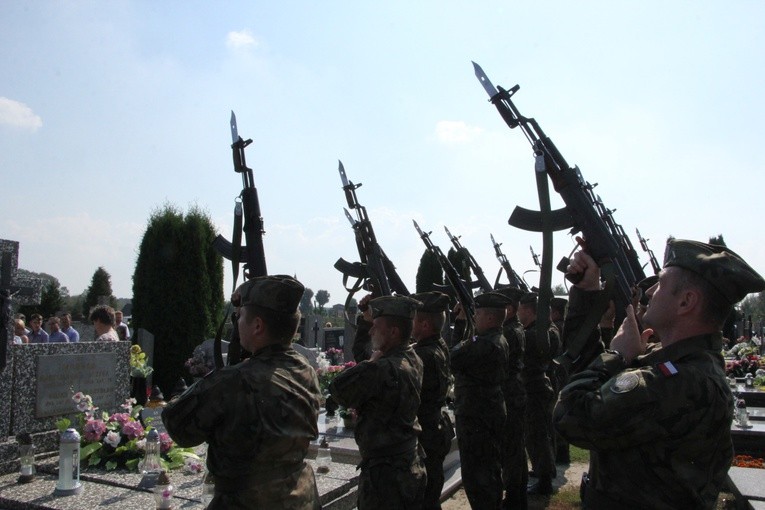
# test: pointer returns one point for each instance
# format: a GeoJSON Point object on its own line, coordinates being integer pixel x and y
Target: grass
{"type": "Point", "coordinates": [579, 455]}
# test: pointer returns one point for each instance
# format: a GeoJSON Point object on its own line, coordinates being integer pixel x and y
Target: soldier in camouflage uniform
{"type": "Point", "coordinates": [258, 416]}
{"type": "Point", "coordinates": [540, 397]}
{"type": "Point", "coordinates": [515, 471]}
{"type": "Point", "coordinates": [480, 365]}
{"type": "Point", "coordinates": [385, 390]}
{"type": "Point", "coordinates": [437, 430]}
{"type": "Point", "coordinates": [658, 424]}
{"type": "Point", "coordinates": [557, 317]}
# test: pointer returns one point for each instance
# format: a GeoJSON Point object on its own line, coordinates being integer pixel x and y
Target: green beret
{"type": "Point", "coordinates": [530, 298]}
{"type": "Point", "coordinates": [432, 302]}
{"type": "Point", "coordinates": [559, 303]}
{"type": "Point", "coordinates": [514, 294]}
{"type": "Point", "coordinates": [394, 306]}
{"type": "Point", "coordinates": [279, 293]}
{"type": "Point", "coordinates": [644, 285]}
{"type": "Point", "coordinates": [492, 300]}
{"type": "Point", "coordinates": [718, 265]}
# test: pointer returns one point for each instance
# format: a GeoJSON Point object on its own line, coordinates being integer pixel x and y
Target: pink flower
{"type": "Point", "coordinates": [121, 418]}
{"type": "Point", "coordinates": [112, 439]}
{"type": "Point", "coordinates": [165, 443]}
{"type": "Point", "coordinates": [129, 403]}
{"type": "Point", "coordinates": [349, 364]}
{"type": "Point", "coordinates": [132, 429]}
{"type": "Point", "coordinates": [93, 430]}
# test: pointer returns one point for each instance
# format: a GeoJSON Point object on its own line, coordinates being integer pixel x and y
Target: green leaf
{"type": "Point", "coordinates": [63, 424]}
{"type": "Point", "coordinates": [132, 464]}
{"type": "Point", "coordinates": [94, 460]}
{"type": "Point", "coordinates": [88, 450]}
{"type": "Point", "coordinates": [111, 465]}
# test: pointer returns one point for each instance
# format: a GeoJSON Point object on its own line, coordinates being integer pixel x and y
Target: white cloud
{"type": "Point", "coordinates": [455, 131]}
{"type": "Point", "coordinates": [16, 114]}
{"type": "Point", "coordinates": [241, 39]}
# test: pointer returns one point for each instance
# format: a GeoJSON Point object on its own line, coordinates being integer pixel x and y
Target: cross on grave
{"type": "Point", "coordinates": [13, 289]}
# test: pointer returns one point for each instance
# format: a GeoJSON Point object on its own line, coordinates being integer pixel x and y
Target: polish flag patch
{"type": "Point", "coordinates": [667, 368]}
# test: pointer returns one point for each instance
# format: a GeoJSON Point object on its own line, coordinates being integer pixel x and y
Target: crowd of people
{"type": "Point", "coordinates": [107, 323]}
{"type": "Point", "coordinates": [651, 404]}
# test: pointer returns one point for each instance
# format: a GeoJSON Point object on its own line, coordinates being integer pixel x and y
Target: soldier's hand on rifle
{"type": "Point", "coordinates": [459, 312]}
{"type": "Point", "coordinates": [629, 341]}
{"type": "Point", "coordinates": [364, 307]}
{"type": "Point", "coordinates": [582, 263]}
{"type": "Point", "coordinates": [607, 320]}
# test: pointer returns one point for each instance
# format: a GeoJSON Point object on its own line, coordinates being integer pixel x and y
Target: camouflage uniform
{"type": "Point", "coordinates": [646, 430]}
{"type": "Point", "coordinates": [515, 473]}
{"type": "Point", "coordinates": [539, 405]}
{"type": "Point", "coordinates": [258, 417]}
{"type": "Point", "coordinates": [479, 365]}
{"type": "Point", "coordinates": [437, 429]}
{"type": "Point", "coordinates": [662, 424]}
{"type": "Point", "coordinates": [386, 394]}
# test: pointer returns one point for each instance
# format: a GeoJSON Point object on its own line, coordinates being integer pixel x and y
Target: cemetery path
{"type": "Point", "coordinates": [569, 479]}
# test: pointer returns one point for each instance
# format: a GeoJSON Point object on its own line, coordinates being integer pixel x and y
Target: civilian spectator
{"type": "Point", "coordinates": [66, 327]}
{"type": "Point", "coordinates": [56, 335]}
{"type": "Point", "coordinates": [102, 318]}
{"type": "Point", "coordinates": [38, 334]}
{"type": "Point", "coordinates": [120, 326]}
{"type": "Point", "coordinates": [19, 332]}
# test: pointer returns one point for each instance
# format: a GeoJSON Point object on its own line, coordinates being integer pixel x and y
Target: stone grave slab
{"type": "Point", "coordinates": [753, 398]}
{"type": "Point", "coordinates": [38, 403]}
{"type": "Point", "coordinates": [746, 484]}
{"type": "Point", "coordinates": [750, 440]}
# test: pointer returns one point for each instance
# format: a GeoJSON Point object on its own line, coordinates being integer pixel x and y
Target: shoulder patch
{"type": "Point", "coordinates": [626, 381]}
{"type": "Point", "coordinates": [667, 369]}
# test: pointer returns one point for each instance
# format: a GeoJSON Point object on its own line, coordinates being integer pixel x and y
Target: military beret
{"type": "Point", "coordinates": [644, 285]}
{"type": "Point", "coordinates": [530, 298]}
{"type": "Point", "coordinates": [514, 294]}
{"type": "Point", "coordinates": [279, 293]}
{"type": "Point", "coordinates": [559, 303]}
{"type": "Point", "coordinates": [492, 300]}
{"type": "Point", "coordinates": [432, 302]}
{"type": "Point", "coordinates": [394, 306]}
{"type": "Point", "coordinates": [720, 266]}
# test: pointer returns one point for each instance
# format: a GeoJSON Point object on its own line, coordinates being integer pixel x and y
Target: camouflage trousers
{"type": "Point", "coordinates": [392, 482]}
{"type": "Point", "coordinates": [539, 433]}
{"type": "Point", "coordinates": [480, 459]}
{"type": "Point", "coordinates": [436, 441]}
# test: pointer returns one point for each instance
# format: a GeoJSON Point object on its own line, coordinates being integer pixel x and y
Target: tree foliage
{"type": "Point", "coordinates": [429, 273]}
{"type": "Point", "coordinates": [717, 240]}
{"type": "Point", "coordinates": [177, 288]}
{"type": "Point", "coordinates": [100, 286]}
{"type": "Point", "coordinates": [322, 298]}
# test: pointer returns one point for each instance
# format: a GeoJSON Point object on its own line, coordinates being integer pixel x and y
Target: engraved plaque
{"type": "Point", "coordinates": [60, 375]}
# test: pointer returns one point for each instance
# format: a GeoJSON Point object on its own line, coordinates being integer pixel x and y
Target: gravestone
{"type": "Point", "coordinates": [334, 338]}
{"type": "Point", "coordinates": [16, 290]}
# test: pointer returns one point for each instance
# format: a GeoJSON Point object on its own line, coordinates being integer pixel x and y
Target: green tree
{"type": "Point", "coordinates": [322, 298]}
{"type": "Point", "coordinates": [100, 286]}
{"type": "Point", "coordinates": [177, 288]}
{"type": "Point", "coordinates": [306, 302]}
{"type": "Point", "coordinates": [718, 239]}
{"type": "Point", "coordinates": [429, 273]}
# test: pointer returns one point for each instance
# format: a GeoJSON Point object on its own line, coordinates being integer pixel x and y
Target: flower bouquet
{"type": "Point", "coordinates": [328, 372]}
{"type": "Point", "coordinates": [746, 365]}
{"type": "Point", "coordinates": [119, 440]}
{"type": "Point", "coordinates": [138, 365]}
{"type": "Point", "coordinates": [349, 416]}
{"type": "Point", "coordinates": [199, 364]}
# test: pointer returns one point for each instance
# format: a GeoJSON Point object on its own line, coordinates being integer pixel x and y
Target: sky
{"type": "Point", "coordinates": [108, 111]}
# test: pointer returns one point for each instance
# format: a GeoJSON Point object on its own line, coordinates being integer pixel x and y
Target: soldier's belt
{"type": "Point", "coordinates": [401, 448]}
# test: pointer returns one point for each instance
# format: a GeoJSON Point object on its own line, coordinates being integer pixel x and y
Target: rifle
{"type": "Point", "coordinates": [481, 280]}
{"type": "Point", "coordinates": [375, 272]}
{"type": "Point", "coordinates": [247, 219]}
{"type": "Point", "coordinates": [644, 244]}
{"type": "Point", "coordinates": [535, 257]}
{"type": "Point", "coordinates": [512, 276]}
{"type": "Point", "coordinates": [464, 296]}
{"type": "Point", "coordinates": [581, 213]}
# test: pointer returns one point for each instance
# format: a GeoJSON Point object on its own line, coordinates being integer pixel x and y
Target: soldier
{"type": "Point", "coordinates": [385, 390]}
{"type": "Point", "coordinates": [557, 317]}
{"type": "Point", "coordinates": [480, 365]}
{"type": "Point", "coordinates": [437, 430]}
{"type": "Point", "coordinates": [658, 425]}
{"type": "Point", "coordinates": [260, 415]}
{"type": "Point", "coordinates": [539, 391]}
{"type": "Point", "coordinates": [515, 471]}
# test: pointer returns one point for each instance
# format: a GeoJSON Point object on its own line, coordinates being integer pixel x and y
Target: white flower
{"type": "Point", "coordinates": [112, 439]}
{"type": "Point", "coordinates": [322, 362]}
{"type": "Point", "coordinates": [141, 444]}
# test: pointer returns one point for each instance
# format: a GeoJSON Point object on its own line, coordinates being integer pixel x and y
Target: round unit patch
{"type": "Point", "coordinates": [625, 382]}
